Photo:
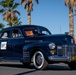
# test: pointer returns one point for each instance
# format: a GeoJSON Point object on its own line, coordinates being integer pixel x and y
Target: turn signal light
{"type": "Point", "coordinates": [73, 57]}
{"type": "Point", "coordinates": [52, 52]}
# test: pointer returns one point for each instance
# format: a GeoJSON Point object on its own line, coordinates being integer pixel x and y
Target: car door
{"type": "Point", "coordinates": [16, 44]}
{"type": "Point", "coordinates": [4, 50]}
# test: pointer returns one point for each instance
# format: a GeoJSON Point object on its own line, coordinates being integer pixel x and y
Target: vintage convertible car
{"type": "Point", "coordinates": [35, 44]}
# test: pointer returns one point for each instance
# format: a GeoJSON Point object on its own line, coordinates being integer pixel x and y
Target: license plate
{"type": "Point", "coordinates": [73, 57]}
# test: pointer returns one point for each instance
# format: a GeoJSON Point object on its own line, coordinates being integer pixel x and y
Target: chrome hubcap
{"type": "Point", "coordinates": [39, 59]}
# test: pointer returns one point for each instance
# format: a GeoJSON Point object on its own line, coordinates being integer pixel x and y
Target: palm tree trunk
{"type": "Point", "coordinates": [29, 18]}
{"type": "Point", "coordinates": [71, 22]}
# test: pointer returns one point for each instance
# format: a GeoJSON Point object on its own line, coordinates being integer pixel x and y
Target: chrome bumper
{"type": "Point", "coordinates": [60, 58]}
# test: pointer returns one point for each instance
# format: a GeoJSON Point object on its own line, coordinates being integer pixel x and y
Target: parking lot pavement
{"type": "Point", "coordinates": [16, 68]}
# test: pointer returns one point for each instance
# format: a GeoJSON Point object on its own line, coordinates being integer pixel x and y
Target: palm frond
{"type": "Point", "coordinates": [37, 1]}
{"type": "Point", "coordinates": [16, 22]}
{"type": "Point", "coordinates": [31, 7]}
{"type": "Point", "coordinates": [3, 4]}
{"type": "Point", "coordinates": [11, 3]}
{"type": "Point", "coordinates": [2, 10]}
{"type": "Point", "coordinates": [75, 3]}
{"type": "Point", "coordinates": [70, 3]}
{"type": "Point", "coordinates": [15, 6]}
{"type": "Point", "coordinates": [74, 14]}
{"type": "Point", "coordinates": [26, 7]}
{"type": "Point", "coordinates": [1, 26]}
{"type": "Point", "coordinates": [23, 1]}
{"type": "Point", "coordinates": [66, 2]}
{"type": "Point", "coordinates": [15, 11]}
{"type": "Point", "coordinates": [9, 11]}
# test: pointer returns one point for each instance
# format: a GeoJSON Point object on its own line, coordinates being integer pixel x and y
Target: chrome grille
{"type": "Point", "coordinates": [75, 49]}
{"type": "Point", "coordinates": [59, 52]}
{"type": "Point", "coordinates": [66, 51]}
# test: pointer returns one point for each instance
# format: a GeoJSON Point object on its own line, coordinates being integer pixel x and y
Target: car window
{"type": "Point", "coordinates": [6, 34]}
{"type": "Point", "coordinates": [16, 33]}
{"type": "Point", "coordinates": [31, 31]}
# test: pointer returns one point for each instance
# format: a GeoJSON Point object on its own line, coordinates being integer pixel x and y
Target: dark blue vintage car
{"type": "Point", "coordinates": [35, 44]}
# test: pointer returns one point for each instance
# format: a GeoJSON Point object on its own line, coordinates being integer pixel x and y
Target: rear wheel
{"type": "Point", "coordinates": [72, 65]}
{"type": "Point", "coordinates": [39, 61]}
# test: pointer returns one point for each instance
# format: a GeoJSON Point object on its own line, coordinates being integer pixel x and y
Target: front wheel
{"type": "Point", "coordinates": [72, 65]}
{"type": "Point", "coordinates": [39, 61]}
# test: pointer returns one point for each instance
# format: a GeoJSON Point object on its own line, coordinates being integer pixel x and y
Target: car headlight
{"type": "Point", "coordinates": [52, 45]}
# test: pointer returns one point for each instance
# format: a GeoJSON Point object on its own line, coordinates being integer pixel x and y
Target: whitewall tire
{"type": "Point", "coordinates": [39, 61]}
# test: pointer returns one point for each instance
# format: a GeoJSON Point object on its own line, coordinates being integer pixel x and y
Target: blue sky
{"type": "Point", "coordinates": [52, 14]}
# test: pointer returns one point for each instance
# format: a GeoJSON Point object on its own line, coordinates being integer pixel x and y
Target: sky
{"type": "Point", "coordinates": [52, 14]}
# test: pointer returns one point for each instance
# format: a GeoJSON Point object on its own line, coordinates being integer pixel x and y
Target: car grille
{"type": "Point", "coordinates": [75, 49]}
{"type": "Point", "coordinates": [66, 51]}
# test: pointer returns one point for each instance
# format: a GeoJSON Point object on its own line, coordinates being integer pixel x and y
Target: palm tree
{"type": "Point", "coordinates": [29, 7]}
{"type": "Point", "coordinates": [1, 26]}
{"type": "Point", "coordinates": [71, 4]}
{"type": "Point", "coordinates": [8, 10]}
{"type": "Point", "coordinates": [16, 22]}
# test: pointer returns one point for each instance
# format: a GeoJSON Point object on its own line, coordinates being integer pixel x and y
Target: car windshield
{"type": "Point", "coordinates": [35, 31]}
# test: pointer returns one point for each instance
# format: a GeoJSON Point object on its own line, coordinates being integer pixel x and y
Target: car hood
{"type": "Point", "coordinates": [57, 39]}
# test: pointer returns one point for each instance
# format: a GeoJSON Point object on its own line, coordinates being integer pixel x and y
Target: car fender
{"type": "Point", "coordinates": [28, 49]}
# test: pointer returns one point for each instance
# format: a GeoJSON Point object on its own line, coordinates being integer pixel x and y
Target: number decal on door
{"type": "Point", "coordinates": [3, 45]}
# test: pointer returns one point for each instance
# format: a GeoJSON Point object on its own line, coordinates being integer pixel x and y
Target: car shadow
{"type": "Point", "coordinates": [57, 68]}
{"type": "Point", "coordinates": [17, 66]}
{"type": "Point", "coordinates": [49, 67]}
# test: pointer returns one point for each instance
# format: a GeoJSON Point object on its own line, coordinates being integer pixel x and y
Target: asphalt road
{"type": "Point", "coordinates": [16, 68]}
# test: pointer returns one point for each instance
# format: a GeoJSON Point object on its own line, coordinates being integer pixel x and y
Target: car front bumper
{"type": "Point", "coordinates": [64, 53]}
{"type": "Point", "coordinates": [60, 58]}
